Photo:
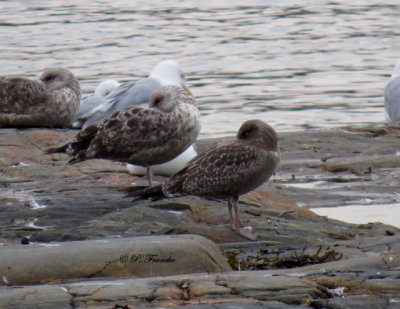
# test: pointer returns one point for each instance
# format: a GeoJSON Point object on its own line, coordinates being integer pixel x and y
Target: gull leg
{"type": "Point", "coordinates": [149, 174]}
{"type": "Point", "coordinates": [230, 205]}
{"type": "Point", "coordinates": [243, 232]}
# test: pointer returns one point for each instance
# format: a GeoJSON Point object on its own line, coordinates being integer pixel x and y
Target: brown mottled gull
{"type": "Point", "coordinates": [141, 135]}
{"type": "Point", "coordinates": [227, 170]}
{"type": "Point", "coordinates": [51, 101]}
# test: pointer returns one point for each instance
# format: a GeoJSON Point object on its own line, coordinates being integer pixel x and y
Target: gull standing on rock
{"type": "Point", "coordinates": [392, 97]}
{"type": "Point", "coordinates": [167, 72]}
{"type": "Point", "coordinates": [51, 101]}
{"type": "Point", "coordinates": [102, 90]}
{"type": "Point", "coordinates": [141, 135]}
{"type": "Point", "coordinates": [227, 170]}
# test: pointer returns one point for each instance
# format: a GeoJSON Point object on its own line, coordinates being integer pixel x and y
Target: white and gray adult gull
{"type": "Point", "coordinates": [167, 72]}
{"type": "Point", "coordinates": [90, 102]}
{"type": "Point", "coordinates": [392, 97]}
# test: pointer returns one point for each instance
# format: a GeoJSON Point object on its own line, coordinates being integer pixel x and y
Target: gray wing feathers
{"type": "Point", "coordinates": [138, 93]}
{"type": "Point", "coordinates": [392, 101]}
{"type": "Point", "coordinates": [86, 105]}
{"type": "Point", "coordinates": [124, 96]}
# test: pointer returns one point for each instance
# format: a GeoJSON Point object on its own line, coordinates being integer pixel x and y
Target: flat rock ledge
{"type": "Point", "coordinates": [300, 259]}
{"type": "Point", "coordinates": [116, 257]}
{"type": "Point", "coordinates": [316, 286]}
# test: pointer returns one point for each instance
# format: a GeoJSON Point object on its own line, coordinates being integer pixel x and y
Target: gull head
{"type": "Point", "coordinates": [257, 131]}
{"type": "Point", "coordinates": [166, 98]}
{"type": "Point", "coordinates": [396, 70]}
{"type": "Point", "coordinates": [169, 72]}
{"type": "Point", "coordinates": [57, 78]}
{"type": "Point", "coordinates": [105, 87]}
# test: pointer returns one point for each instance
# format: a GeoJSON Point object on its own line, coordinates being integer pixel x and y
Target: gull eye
{"type": "Point", "coordinates": [48, 78]}
{"type": "Point", "coordinates": [157, 101]}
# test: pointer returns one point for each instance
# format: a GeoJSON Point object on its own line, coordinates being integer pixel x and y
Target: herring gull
{"type": "Point", "coordinates": [167, 72]}
{"type": "Point", "coordinates": [51, 101]}
{"type": "Point", "coordinates": [90, 102]}
{"type": "Point", "coordinates": [227, 170]}
{"type": "Point", "coordinates": [141, 135]}
{"type": "Point", "coordinates": [392, 97]}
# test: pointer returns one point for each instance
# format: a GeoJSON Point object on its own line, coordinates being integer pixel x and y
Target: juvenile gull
{"type": "Point", "coordinates": [141, 135]}
{"type": "Point", "coordinates": [167, 72]}
{"type": "Point", "coordinates": [392, 97]}
{"type": "Point", "coordinates": [51, 101]}
{"type": "Point", "coordinates": [90, 102]}
{"type": "Point", "coordinates": [227, 170]}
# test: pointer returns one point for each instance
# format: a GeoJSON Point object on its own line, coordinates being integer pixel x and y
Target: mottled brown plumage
{"type": "Point", "coordinates": [51, 101]}
{"type": "Point", "coordinates": [228, 170]}
{"type": "Point", "coordinates": [141, 135]}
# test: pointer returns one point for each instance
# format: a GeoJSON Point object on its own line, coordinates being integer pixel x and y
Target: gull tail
{"type": "Point", "coordinates": [62, 149]}
{"type": "Point", "coordinates": [77, 149]}
{"type": "Point", "coordinates": [153, 193]}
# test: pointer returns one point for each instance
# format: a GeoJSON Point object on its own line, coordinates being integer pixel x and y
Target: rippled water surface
{"type": "Point", "coordinates": [294, 64]}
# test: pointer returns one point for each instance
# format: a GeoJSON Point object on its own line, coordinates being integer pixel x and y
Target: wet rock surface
{"type": "Point", "coordinates": [299, 259]}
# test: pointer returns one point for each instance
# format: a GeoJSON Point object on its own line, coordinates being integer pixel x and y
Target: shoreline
{"type": "Point", "coordinates": [309, 257]}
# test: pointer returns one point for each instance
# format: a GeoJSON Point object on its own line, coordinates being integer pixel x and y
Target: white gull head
{"type": "Point", "coordinates": [169, 72]}
{"type": "Point", "coordinates": [396, 70]}
{"type": "Point", "coordinates": [105, 87]}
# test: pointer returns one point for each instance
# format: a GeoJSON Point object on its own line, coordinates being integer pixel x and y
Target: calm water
{"type": "Point", "coordinates": [294, 64]}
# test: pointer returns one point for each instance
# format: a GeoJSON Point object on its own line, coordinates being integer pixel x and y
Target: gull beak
{"type": "Point", "coordinates": [187, 90]}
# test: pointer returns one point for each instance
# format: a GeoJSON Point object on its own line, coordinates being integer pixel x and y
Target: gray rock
{"type": "Point", "coordinates": [256, 305]}
{"type": "Point", "coordinates": [313, 285]}
{"type": "Point", "coordinates": [36, 297]}
{"type": "Point", "coordinates": [357, 302]}
{"type": "Point", "coordinates": [242, 305]}
{"type": "Point", "coordinates": [118, 257]}
{"type": "Point", "coordinates": [245, 290]}
{"type": "Point", "coordinates": [267, 287]}
{"type": "Point", "coordinates": [361, 165]}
